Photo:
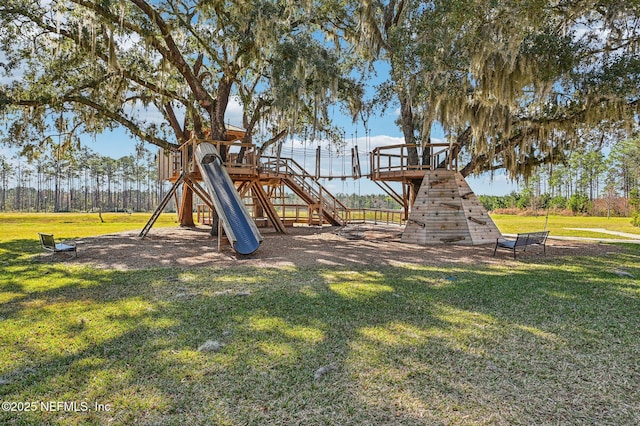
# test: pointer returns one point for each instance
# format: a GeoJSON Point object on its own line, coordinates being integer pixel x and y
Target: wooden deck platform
{"type": "Point", "coordinates": [262, 181]}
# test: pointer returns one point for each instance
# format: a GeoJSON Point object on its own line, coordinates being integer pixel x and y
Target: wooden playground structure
{"type": "Point", "coordinates": [438, 207]}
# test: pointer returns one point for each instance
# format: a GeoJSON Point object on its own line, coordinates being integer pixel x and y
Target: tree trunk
{"type": "Point", "coordinates": [3, 198]}
{"type": "Point", "coordinates": [406, 115]}
{"type": "Point", "coordinates": [98, 201]}
{"type": "Point", "coordinates": [56, 195]}
{"type": "Point", "coordinates": [185, 214]}
{"type": "Point", "coordinates": [218, 129]}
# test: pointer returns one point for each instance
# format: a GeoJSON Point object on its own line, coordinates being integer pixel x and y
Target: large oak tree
{"type": "Point", "coordinates": [100, 63]}
{"type": "Point", "coordinates": [514, 83]}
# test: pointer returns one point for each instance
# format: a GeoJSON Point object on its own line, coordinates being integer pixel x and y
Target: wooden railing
{"type": "Point", "coordinates": [169, 165]}
{"type": "Point", "coordinates": [307, 183]}
{"type": "Point", "coordinates": [376, 216]}
{"type": "Point", "coordinates": [289, 213]}
{"type": "Point", "coordinates": [240, 158]}
{"type": "Point", "coordinates": [396, 159]}
{"type": "Point", "coordinates": [203, 214]}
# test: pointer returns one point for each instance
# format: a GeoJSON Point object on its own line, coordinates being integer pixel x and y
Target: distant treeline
{"type": "Point", "coordinates": [579, 203]}
{"type": "Point", "coordinates": [369, 201]}
{"type": "Point", "coordinates": [81, 180]}
{"type": "Point", "coordinates": [591, 182]}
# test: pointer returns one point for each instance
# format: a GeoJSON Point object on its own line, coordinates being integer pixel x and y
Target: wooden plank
{"type": "Point", "coordinates": [268, 207]}
{"type": "Point", "coordinates": [466, 196]}
{"type": "Point", "coordinates": [417, 222]}
{"type": "Point", "coordinates": [452, 239]}
{"type": "Point", "coordinates": [451, 206]}
{"type": "Point", "coordinates": [478, 221]}
{"type": "Point", "coordinates": [436, 182]}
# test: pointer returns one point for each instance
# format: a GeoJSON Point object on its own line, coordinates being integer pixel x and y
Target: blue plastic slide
{"type": "Point", "coordinates": [236, 221]}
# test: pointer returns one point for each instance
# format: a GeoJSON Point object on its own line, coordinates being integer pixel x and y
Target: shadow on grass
{"type": "Point", "coordinates": [17, 251]}
{"type": "Point", "coordinates": [537, 343]}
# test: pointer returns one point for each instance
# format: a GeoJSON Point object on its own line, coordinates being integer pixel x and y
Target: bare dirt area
{"type": "Point", "coordinates": [301, 246]}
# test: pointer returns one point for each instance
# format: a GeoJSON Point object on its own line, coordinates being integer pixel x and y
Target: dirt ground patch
{"type": "Point", "coordinates": [302, 246]}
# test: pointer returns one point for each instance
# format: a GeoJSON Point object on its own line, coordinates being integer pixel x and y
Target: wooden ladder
{"type": "Point", "coordinates": [162, 205]}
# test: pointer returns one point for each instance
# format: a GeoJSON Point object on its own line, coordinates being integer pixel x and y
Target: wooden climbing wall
{"type": "Point", "coordinates": [446, 211]}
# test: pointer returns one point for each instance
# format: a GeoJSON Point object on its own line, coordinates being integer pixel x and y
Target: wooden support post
{"type": "Point", "coordinates": [220, 235]}
{"type": "Point", "coordinates": [244, 188]}
{"type": "Point", "coordinates": [405, 201]}
{"type": "Point", "coordinates": [267, 207]}
{"type": "Point", "coordinates": [372, 170]}
{"type": "Point", "coordinates": [200, 192]}
{"type": "Point", "coordinates": [186, 207]}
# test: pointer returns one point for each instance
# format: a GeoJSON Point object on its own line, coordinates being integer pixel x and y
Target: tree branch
{"type": "Point", "coordinates": [173, 55]}
{"type": "Point", "coordinates": [126, 73]}
{"type": "Point", "coordinates": [273, 140]}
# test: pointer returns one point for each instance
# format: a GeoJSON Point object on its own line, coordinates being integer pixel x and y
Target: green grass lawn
{"type": "Point", "coordinates": [542, 341]}
{"type": "Point", "coordinates": [560, 225]}
{"type": "Point", "coordinates": [19, 231]}
{"type": "Point", "coordinates": [75, 225]}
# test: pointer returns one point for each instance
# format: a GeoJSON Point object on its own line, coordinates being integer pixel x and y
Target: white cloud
{"type": "Point", "coordinates": [233, 114]}
{"type": "Point", "coordinates": [498, 184]}
{"type": "Point", "coordinates": [149, 114]}
{"type": "Point", "coordinates": [383, 140]}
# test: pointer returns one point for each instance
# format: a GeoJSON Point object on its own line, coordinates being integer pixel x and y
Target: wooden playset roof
{"type": "Point", "coordinates": [234, 133]}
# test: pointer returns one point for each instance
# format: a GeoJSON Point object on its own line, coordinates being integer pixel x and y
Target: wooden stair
{"type": "Point", "coordinates": [305, 186]}
{"type": "Point", "coordinates": [446, 211]}
{"type": "Point", "coordinates": [263, 198]}
{"type": "Point", "coordinates": [314, 200]}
